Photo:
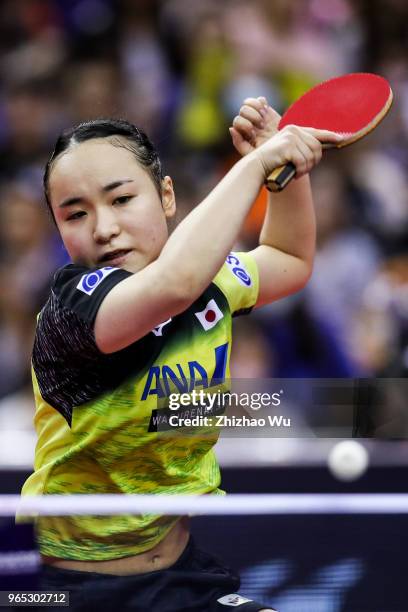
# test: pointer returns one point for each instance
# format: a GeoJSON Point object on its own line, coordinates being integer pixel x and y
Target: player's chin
{"type": "Point", "coordinates": [136, 261]}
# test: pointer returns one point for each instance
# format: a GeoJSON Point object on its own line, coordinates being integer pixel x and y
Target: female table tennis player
{"type": "Point", "coordinates": [135, 309]}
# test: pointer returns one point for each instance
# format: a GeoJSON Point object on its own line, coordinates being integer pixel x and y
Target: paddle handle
{"type": "Point", "coordinates": [280, 177]}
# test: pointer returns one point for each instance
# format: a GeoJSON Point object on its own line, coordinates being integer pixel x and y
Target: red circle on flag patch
{"type": "Point", "coordinates": [210, 316]}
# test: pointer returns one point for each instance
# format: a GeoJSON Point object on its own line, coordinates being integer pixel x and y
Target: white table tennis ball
{"type": "Point", "coordinates": [348, 460]}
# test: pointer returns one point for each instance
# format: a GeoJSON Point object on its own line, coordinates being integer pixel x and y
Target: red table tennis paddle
{"type": "Point", "coordinates": [352, 105]}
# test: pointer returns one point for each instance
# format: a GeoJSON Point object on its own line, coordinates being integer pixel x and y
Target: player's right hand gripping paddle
{"type": "Point", "coordinates": [352, 105]}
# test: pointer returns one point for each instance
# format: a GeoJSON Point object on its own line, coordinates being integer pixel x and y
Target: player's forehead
{"type": "Point", "coordinates": [92, 163]}
{"type": "Point", "coordinates": [97, 154]}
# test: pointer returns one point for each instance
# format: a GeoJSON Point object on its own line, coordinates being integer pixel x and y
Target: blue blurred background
{"type": "Point", "coordinates": [180, 69]}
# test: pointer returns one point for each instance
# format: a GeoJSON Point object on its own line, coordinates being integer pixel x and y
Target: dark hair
{"type": "Point", "coordinates": [132, 138]}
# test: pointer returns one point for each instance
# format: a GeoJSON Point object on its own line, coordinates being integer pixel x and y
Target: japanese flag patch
{"type": "Point", "coordinates": [210, 316]}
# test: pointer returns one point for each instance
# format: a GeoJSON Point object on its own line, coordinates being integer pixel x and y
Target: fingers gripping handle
{"type": "Point", "coordinates": [280, 177]}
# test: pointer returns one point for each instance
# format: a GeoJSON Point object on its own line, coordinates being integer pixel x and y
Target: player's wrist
{"type": "Point", "coordinates": [252, 163]}
{"type": "Point", "coordinates": [267, 159]}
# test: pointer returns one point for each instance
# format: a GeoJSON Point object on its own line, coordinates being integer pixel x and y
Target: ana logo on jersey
{"type": "Point", "coordinates": [162, 379]}
{"type": "Point", "coordinates": [89, 282]}
{"type": "Point", "coordinates": [233, 600]}
{"type": "Point", "coordinates": [210, 316]}
{"type": "Point", "coordinates": [238, 269]}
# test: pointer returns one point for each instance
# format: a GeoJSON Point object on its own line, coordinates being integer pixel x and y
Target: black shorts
{"type": "Point", "coordinates": [194, 583]}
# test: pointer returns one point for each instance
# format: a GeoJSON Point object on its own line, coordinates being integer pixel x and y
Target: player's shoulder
{"type": "Point", "coordinates": [239, 270]}
{"type": "Point", "coordinates": [77, 288]}
{"type": "Point", "coordinates": [67, 278]}
{"type": "Point", "coordinates": [84, 279]}
{"type": "Point", "coordinates": [238, 280]}
{"type": "Point", "coordinates": [67, 273]}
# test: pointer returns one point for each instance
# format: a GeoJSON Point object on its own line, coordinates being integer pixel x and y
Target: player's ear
{"type": "Point", "coordinates": [168, 197]}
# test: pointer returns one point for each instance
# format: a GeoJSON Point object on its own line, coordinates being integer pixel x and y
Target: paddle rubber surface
{"type": "Point", "coordinates": [348, 104]}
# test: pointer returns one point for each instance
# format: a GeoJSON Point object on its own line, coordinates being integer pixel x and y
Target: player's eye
{"type": "Point", "coordinates": [76, 215]}
{"type": "Point", "coordinates": [122, 199]}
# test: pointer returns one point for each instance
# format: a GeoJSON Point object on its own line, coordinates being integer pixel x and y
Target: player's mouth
{"type": "Point", "coordinates": [115, 258]}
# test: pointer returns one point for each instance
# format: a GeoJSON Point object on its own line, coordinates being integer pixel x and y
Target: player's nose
{"type": "Point", "coordinates": [106, 226]}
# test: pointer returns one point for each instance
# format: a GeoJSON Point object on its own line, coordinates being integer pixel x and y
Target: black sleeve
{"type": "Point", "coordinates": [82, 290]}
{"type": "Point", "coordinates": [69, 367]}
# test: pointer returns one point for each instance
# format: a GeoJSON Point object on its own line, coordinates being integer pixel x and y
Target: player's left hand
{"type": "Point", "coordinates": [256, 123]}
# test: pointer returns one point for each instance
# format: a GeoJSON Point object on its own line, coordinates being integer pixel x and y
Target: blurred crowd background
{"type": "Point", "coordinates": [180, 70]}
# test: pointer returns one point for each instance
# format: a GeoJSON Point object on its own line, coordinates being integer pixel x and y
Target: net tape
{"type": "Point", "coordinates": [234, 504]}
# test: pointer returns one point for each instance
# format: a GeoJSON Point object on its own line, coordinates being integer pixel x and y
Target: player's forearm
{"type": "Point", "coordinates": [198, 246]}
{"type": "Point", "coordinates": [289, 223]}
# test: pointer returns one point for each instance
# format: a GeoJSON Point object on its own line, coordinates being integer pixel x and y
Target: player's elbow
{"type": "Point", "coordinates": [298, 280]}
{"type": "Point", "coordinates": [301, 271]}
{"type": "Point", "coordinates": [305, 272]}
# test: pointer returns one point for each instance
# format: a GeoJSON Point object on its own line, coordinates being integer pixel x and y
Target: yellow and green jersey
{"type": "Point", "coordinates": [100, 418]}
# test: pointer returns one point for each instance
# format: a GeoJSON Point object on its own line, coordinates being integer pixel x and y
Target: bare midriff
{"type": "Point", "coordinates": [161, 556]}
